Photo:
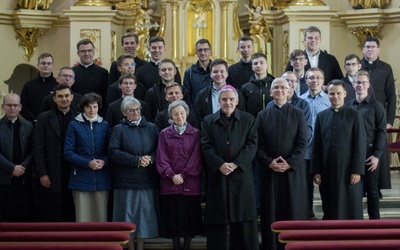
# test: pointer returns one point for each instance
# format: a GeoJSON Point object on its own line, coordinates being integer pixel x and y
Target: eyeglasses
{"type": "Point", "coordinates": [84, 51]}
{"type": "Point", "coordinates": [12, 105]}
{"type": "Point", "coordinates": [351, 64]}
{"type": "Point", "coordinates": [279, 88]}
{"type": "Point", "coordinates": [67, 76]}
{"type": "Point", "coordinates": [298, 59]}
{"type": "Point", "coordinates": [291, 80]}
{"type": "Point", "coordinates": [312, 78]}
{"type": "Point", "coordinates": [361, 82]}
{"type": "Point", "coordinates": [46, 63]}
{"type": "Point", "coordinates": [130, 64]}
{"type": "Point", "coordinates": [203, 50]}
{"type": "Point", "coordinates": [136, 110]}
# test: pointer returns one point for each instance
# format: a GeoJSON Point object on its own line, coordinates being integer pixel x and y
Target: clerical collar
{"type": "Point", "coordinates": [13, 120]}
{"type": "Point", "coordinates": [279, 105]}
{"type": "Point", "coordinates": [155, 63]}
{"type": "Point", "coordinates": [86, 66]}
{"type": "Point", "coordinates": [243, 61]}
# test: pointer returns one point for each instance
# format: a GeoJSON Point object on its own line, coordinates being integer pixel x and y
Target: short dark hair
{"type": "Point", "coordinates": [89, 98]}
{"type": "Point", "coordinates": [203, 41]}
{"type": "Point", "coordinates": [352, 56]}
{"type": "Point", "coordinates": [311, 29]}
{"type": "Point", "coordinates": [172, 84]}
{"type": "Point", "coordinates": [84, 42]}
{"type": "Point", "coordinates": [121, 58]}
{"type": "Point", "coordinates": [44, 55]}
{"type": "Point", "coordinates": [362, 73]}
{"type": "Point", "coordinates": [218, 62]}
{"type": "Point", "coordinates": [65, 68]}
{"type": "Point", "coordinates": [336, 82]}
{"type": "Point", "coordinates": [314, 69]}
{"type": "Point", "coordinates": [166, 60]}
{"type": "Point", "coordinates": [61, 86]}
{"type": "Point", "coordinates": [257, 55]}
{"type": "Point", "coordinates": [127, 76]}
{"type": "Point", "coordinates": [372, 39]}
{"type": "Point", "coordinates": [245, 38]}
{"type": "Point", "coordinates": [297, 52]}
{"type": "Point", "coordinates": [154, 39]}
{"type": "Point", "coordinates": [129, 34]}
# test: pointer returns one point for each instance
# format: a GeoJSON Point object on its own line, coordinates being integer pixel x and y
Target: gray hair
{"type": "Point", "coordinates": [129, 101]}
{"type": "Point", "coordinates": [280, 79]}
{"type": "Point", "coordinates": [177, 103]}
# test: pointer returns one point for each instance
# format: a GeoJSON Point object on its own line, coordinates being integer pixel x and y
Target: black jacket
{"type": "Point", "coordinates": [6, 139]}
{"type": "Point", "coordinates": [49, 149]}
{"type": "Point", "coordinates": [257, 94]}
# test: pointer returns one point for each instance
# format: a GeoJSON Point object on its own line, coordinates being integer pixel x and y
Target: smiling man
{"type": "Point", "coordinates": [129, 43]}
{"type": "Point", "coordinates": [54, 198]}
{"type": "Point", "coordinates": [207, 99]}
{"type": "Point", "coordinates": [317, 57]}
{"type": "Point", "coordinates": [283, 189]}
{"type": "Point", "coordinates": [89, 77]}
{"type": "Point", "coordinates": [338, 157]}
{"type": "Point", "coordinates": [229, 143]}
{"type": "Point", "coordinates": [148, 73]}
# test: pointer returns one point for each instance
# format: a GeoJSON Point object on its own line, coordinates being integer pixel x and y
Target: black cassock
{"type": "Point", "coordinates": [339, 150]}
{"type": "Point", "coordinates": [283, 196]}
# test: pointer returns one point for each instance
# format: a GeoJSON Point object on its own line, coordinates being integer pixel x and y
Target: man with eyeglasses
{"type": "Point", "coordinates": [66, 75]}
{"type": "Point", "coordinates": [374, 116]}
{"type": "Point", "coordinates": [352, 65]}
{"type": "Point", "coordinates": [241, 72]}
{"type": "Point", "coordinates": [318, 58]}
{"type": "Point", "coordinates": [127, 84]}
{"type": "Point", "coordinates": [16, 151]}
{"type": "Point", "coordinates": [35, 90]}
{"type": "Point", "coordinates": [338, 157]}
{"type": "Point", "coordinates": [90, 77]}
{"type": "Point", "coordinates": [298, 60]}
{"type": "Point", "coordinates": [54, 198]}
{"type": "Point", "coordinates": [148, 73]}
{"type": "Point", "coordinates": [126, 64]}
{"type": "Point", "coordinates": [282, 143]}
{"type": "Point", "coordinates": [382, 78]}
{"type": "Point", "coordinates": [129, 43]}
{"type": "Point", "coordinates": [197, 76]}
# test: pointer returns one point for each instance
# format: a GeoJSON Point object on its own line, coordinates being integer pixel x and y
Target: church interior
{"type": "Point", "coordinates": [30, 28]}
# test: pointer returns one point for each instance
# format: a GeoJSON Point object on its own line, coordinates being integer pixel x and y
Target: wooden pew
{"type": "Point", "coordinates": [64, 236]}
{"type": "Point", "coordinates": [59, 246]}
{"type": "Point", "coordinates": [67, 226]}
{"type": "Point", "coordinates": [349, 244]}
{"type": "Point", "coordinates": [339, 234]}
{"type": "Point", "coordinates": [280, 226]}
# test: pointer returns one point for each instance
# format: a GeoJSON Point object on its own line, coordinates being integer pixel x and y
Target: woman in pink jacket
{"type": "Point", "coordinates": [179, 163]}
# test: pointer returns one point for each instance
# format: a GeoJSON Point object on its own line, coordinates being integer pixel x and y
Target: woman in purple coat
{"type": "Point", "coordinates": [179, 163]}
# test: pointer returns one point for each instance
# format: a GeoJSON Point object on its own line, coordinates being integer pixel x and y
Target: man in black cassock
{"type": "Point", "coordinates": [282, 142]}
{"type": "Point", "coordinates": [229, 143]}
{"type": "Point", "coordinates": [338, 157]}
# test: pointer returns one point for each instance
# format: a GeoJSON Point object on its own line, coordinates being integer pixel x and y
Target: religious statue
{"type": "Point", "coordinates": [200, 6]}
{"type": "Point", "coordinates": [34, 4]}
{"type": "Point", "coordinates": [259, 27]}
{"type": "Point", "coordinates": [264, 4]}
{"type": "Point", "coordinates": [141, 20]}
{"type": "Point", "coordinates": [368, 4]}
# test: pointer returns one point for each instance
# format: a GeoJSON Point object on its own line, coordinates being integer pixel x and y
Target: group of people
{"type": "Point", "coordinates": [235, 137]}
